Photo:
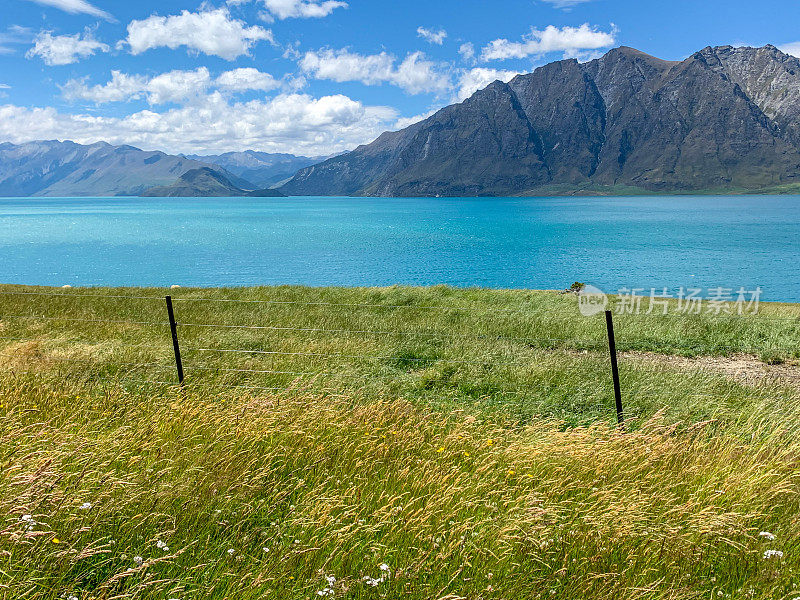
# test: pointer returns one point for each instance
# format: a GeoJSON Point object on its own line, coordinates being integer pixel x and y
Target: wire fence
{"type": "Point", "coordinates": [340, 346]}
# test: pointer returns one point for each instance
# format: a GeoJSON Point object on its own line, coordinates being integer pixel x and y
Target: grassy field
{"type": "Point", "coordinates": [391, 443]}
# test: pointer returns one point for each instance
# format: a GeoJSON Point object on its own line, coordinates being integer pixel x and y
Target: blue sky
{"type": "Point", "coordinates": [314, 77]}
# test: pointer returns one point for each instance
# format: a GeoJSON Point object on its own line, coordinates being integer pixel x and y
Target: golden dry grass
{"type": "Point", "coordinates": [302, 487]}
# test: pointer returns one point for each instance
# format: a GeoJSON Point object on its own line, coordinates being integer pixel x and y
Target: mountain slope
{"type": "Point", "coordinates": [52, 168]}
{"type": "Point", "coordinates": [724, 118]}
{"type": "Point", "coordinates": [205, 182]}
{"type": "Point", "coordinates": [261, 168]}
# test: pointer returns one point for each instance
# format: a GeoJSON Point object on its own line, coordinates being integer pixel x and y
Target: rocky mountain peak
{"type": "Point", "coordinates": [725, 118]}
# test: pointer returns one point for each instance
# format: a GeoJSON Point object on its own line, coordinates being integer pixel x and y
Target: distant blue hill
{"type": "Point", "coordinates": [260, 168]}
{"type": "Point", "coordinates": [55, 168]}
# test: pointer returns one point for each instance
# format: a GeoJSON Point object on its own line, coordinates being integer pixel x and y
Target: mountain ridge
{"type": "Point", "coordinates": [262, 169]}
{"type": "Point", "coordinates": [206, 182]}
{"type": "Point", "coordinates": [66, 168]}
{"type": "Point", "coordinates": [724, 118]}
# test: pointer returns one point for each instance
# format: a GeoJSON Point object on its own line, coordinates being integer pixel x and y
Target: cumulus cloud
{"type": "Point", "coordinates": [246, 79]}
{"type": "Point", "coordinates": [476, 79]}
{"type": "Point", "coordinates": [76, 7]}
{"type": "Point", "coordinates": [414, 74]}
{"type": "Point", "coordinates": [122, 87]}
{"type": "Point", "coordinates": [172, 87]}
{"type": "Point", "coordinates": [177, 86]}
{"type": "Point", "coordinates": [572, 41]}
{"type": "Point", "coordinates": [65, 49]}
{"type": "Point", "coordinates": [295, 9]}
{"type": "Point", "coordinates": [294, 123]}
{"type": "Point", "coordinates": [792, 48]}
{"type": "Point", "coordinates": [467, 52]}
{"type": "Point", "coordinates": [434, 37]}
{"type": "Point", "coordinates": [212, 32]}
{"type": "Point", "coordinates": [287, 9]}
{"type": "Point", "coordinates": [565, 4]}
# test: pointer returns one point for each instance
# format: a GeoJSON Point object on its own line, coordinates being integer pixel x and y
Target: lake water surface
{"type": "Point", "coordinates": [642, 242]}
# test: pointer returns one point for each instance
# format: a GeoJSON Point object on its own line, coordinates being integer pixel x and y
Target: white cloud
{"type": "Point", "coordinates": [565, 4]}
{"type": "Point", "coordinates": [244, 79]}
{"type": "Point", "coordinates": [211, 32]}
{"type": "Point", "coordinates": [65, 49]}
{"type": "Point", "coordinates": [415, 74]}
{"type": "Point", "coordinates": [295, 9]}
{"type": "Point", "coordinates": [792, 48]}
{"type": "Point", "coordinates": [76, 7]}
{"type": "Point", "coordinates": [304, 9]}
{"type": "Point", "coordinates": [476, 79]}
{"type": "Point", "coordinates": [3, 86]}
{"type": "Point", "coordinates": [122, 87]}
{"type": "Point", "coordinates": [172, 87]}
{"type": "Point", "coordinates": [434, 37]}
{"type": "Point", "coordinates": [295, 123]}
{"type": "Point", "coordinates": [467, 52]}
{"type": "Point", "coordinates": [570, 40]}
{"type": "Point", "coordinates": [177, 86]}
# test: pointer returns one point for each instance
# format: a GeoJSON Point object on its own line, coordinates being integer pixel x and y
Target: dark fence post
{"type": "Point", "coordinates": [612, 348]}
{"type": "Point", "coordinates": [174, 328]}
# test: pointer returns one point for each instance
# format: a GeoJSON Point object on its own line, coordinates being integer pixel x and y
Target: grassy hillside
{"type": "Point", "coordinates": [410, 443]}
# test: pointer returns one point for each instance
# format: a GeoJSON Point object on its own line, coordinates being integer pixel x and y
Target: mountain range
{"type": "Point", "coordinates": [54, 168]}
{"type": "Point", "coordinates": [206, 182]}
{"type": "Point", "coordinates": [724, 119]}
{"type": "Point", "coordinates": [262, 169]}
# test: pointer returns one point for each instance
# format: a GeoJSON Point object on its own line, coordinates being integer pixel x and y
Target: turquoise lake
{"type": "Point", "coordinates": [632, 242]}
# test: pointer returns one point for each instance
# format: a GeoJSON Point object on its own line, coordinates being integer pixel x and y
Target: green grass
{"type": "Point", "coordinates": [630, 190]}
{"type": "Point", "coordinates": [465, 438]}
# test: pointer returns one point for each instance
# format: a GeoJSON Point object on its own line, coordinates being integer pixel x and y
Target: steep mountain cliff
{"type": "Point", "coordinates": [723, 119]}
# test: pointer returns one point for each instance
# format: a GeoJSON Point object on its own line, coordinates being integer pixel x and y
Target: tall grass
{"type": "Point", "coordinates": [392, 479]}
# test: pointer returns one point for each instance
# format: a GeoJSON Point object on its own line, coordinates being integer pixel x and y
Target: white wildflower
{"type": "Point", "coordinates": [29, 521]}
{"type": "Point", "coordinates": [138, 561]}
{"type": "Point", "coordinates": [768, 535]}
{"type": "Point", "coordinates": [265, 549]}
{"type": "Point", "coordinates": [162, 546]}
{"type": "Point", "coordinates": [773, 553]}
{"type": "Point", "coordinates": [384, 567]}
{"type": "Point", "coordinates": [231, 551]}
{"type": "Point", "coordinates": [86, 506]}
